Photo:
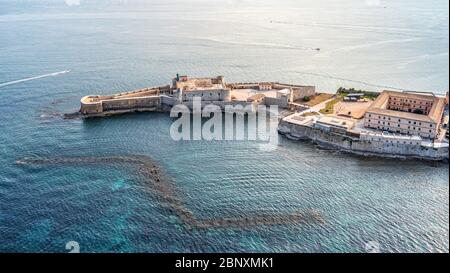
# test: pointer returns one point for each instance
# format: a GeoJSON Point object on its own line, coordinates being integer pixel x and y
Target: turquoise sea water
{"type": "Point", "coordinates": [113, 46]}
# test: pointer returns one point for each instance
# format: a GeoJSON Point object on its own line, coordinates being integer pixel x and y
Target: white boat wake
{"type": "Point", "coordinates": [33, 78]}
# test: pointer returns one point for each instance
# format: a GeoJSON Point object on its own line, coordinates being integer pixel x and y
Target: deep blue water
{"type": "Point", "coordinates": [403, 205]}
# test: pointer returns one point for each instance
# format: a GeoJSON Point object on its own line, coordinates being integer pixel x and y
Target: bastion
{"type": "Point", "coordinates": [184, 89]}
{"type": "Point", "coordinates": [396, 124]}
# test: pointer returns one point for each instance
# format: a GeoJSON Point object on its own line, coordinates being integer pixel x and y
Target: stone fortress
{"type": "Point", "coordinates": [394, 124]}
{"type": "Point", "coordinates": [184, 89]}
{"type": "Point", "coordinates": [209, 89]}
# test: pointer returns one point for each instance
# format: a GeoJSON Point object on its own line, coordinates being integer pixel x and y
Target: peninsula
{"type": "Point", "coordinates": [389, 124]}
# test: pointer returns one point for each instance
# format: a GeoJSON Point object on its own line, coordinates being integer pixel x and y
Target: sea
{"type": "Point", "coordinates": [53, 52]}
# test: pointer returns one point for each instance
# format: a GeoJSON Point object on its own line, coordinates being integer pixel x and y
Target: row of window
{"type": "Point", "coordinates": [398, 131]}
{"type": "Point", "coordinates": [194, 95]}
{"type": "Point", "coordinates": [401, 104]}
{"type": "Point", "coordinates": [398, 125]}
{"type": "Point", "coordinates": [397, 141]}
{"type": "Point", "coordinates": [399, 120]}
{"type": "Point", "coordinates": [412, 101]}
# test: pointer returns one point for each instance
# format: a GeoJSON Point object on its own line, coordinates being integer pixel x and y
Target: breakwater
{"type": "Point", "coordinates": [365, 147]}
{"type": "Point", "coordinates": [168, 194]}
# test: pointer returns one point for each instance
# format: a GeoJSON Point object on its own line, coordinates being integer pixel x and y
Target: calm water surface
{"type": "Point", "coordinates": [110, 47]}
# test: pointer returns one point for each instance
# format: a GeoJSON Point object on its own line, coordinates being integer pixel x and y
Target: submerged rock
{"type": "Point", "coordinates": [163, 188]}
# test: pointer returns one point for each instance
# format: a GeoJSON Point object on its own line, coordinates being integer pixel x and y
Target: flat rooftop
{"type": "Point", "coordinates": [379, 106]}
{"type": "Point", "coordinates": [336, 122]}
{"type": "Point", "coordinates": [298, 119]}
{"type": "Point", "coordinates": [199, 84]}
{"type": "Point", "coordinates": [244, 94]}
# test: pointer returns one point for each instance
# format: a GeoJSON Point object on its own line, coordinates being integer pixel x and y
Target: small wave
{"type": "Point", "coordinates": [34, 78]}
{"type": "Point", "coordinates": [254, 44]}
{"type": "Point", "coordinates": [397, 31]}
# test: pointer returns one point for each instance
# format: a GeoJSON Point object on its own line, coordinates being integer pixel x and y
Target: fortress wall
{"type": "Point", "coordinates": [297, 107]}
{"type": "Point", "coordinates": [244, 85]}
{"type": "Point", "coordinates": [151, 92]}
{"type": "Point", "coordinates": [168, 101]}
{"type": "Point", "coordinates": [165, 89]}
{"type": "Point", "coordinates": [131, 103]}
{"type": "Point", "coordinates": [281, 102]}
{"type": "Point", "coordinates": [357, 146]}
{"type": "Point", "coordinates": [133, 100]}
{"type": "Point", "coordinates": [304, 91]}
{"type": "Point", "coordinates": [222, 104]}
{"type": "Point", "coordinates": [89, 108]}
{"type": "Point", "coordinates": [205, 95]}
{"type": "Point", "coordinates": [244, 104]}
{"type": "Point", "coordinates": [143, 92]}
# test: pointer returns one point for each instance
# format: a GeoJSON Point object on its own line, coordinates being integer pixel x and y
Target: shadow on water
{"type": "Point", "coordinates": [166, 192]}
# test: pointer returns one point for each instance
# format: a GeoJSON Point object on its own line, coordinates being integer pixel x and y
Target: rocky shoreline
{"type": "Point", "coordinates": [335, 147]}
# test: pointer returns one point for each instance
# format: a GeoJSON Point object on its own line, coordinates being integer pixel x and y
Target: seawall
{"type": "Point", "coordinates": [355, 145]}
